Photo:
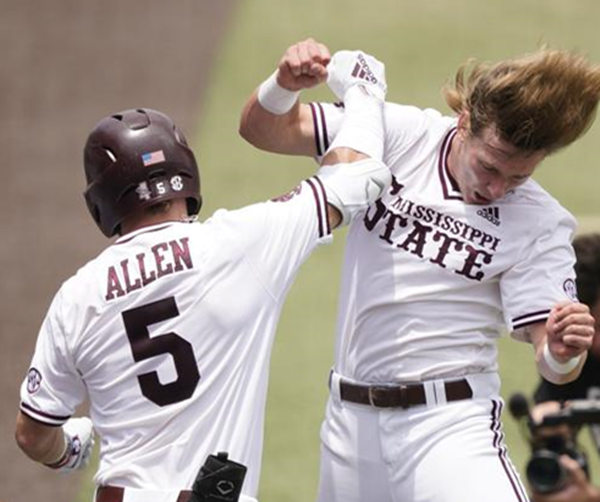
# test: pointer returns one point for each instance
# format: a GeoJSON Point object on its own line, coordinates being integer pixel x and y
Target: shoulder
{"type": "Point", "coordinates": [540, 206]}
{"type": "Point", "coordinates": [402, 113]}
{"type": "Point", "coordinates": [537, 220]}
{"type": "Point", "coordinates": [233, 219]}
{"type": "Point", "coordinates": [412, 122]}
{"type": "Point", "coordinates": [413, 131]}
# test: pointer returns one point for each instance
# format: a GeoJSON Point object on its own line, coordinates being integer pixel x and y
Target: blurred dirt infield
{"type": "Point", "coordinates": [65, 64]}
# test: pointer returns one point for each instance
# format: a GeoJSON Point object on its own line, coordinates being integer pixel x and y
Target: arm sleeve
{"type": "Point", "coordinates": [543, 276]}
{"type": "Point", "coordinates": [404, 126]}
{"type": "Point", "coordinates": [52, 388]}
{"type": "Point", "coordinates": [278, 235]}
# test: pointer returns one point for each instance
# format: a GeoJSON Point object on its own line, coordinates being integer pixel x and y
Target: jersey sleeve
{"type": "Point", "coordinates": [278, 235]}
{"type": "Point", "coordinates": [52, 388]}
{"type": "Point", "coordinates": [544, 276]}
{"type": "Point", "coordinates": [404, 126]}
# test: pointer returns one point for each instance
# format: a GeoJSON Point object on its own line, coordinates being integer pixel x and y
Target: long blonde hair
{"type": "Point", "coordinates": [540, 101]}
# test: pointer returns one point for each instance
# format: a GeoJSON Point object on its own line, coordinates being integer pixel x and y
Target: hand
{"type": "Point", "coordinates": [539, 412]}
{"type": "Point", "coordinates": [79, 435]}
{"type": "Point", "coordinates": [350, 68]}
{"type": "Point", "coordinates": [570, 330]}
{"type": "Point", "coordinates": [303, 65]}
{"type": "Point", "coordinates": [577, 489]}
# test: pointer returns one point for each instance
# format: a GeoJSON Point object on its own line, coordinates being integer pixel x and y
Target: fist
{"type": "Point", "coordinates": [303, 65]}
{"type": "Point", "coordinates": [570, 329]}
{"type": "Point", "coordinates": [79, 435]}
{"type": "Point", "coordinates": [350, 68]}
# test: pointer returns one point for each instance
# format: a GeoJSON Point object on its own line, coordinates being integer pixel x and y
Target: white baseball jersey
{"type": "Point", "coordinates": [429, 282]}
{"type": "Point", "coordinates": [169, 333]}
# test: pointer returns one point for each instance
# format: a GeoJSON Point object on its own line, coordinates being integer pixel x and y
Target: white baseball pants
{"type": "Point", "coordinates": [452, 452]}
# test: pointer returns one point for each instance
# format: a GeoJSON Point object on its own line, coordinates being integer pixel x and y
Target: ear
{"type": "Point", "coordinates": [464, 124]}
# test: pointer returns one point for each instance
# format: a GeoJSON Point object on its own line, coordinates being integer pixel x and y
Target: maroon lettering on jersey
{"type": "Point", "coordinates": [157, 250]}
{"type": "Point", "coordinates": [445, 247]}
{"type": "Point", "coordinates": [374, 214]}
{"type": "Point", "coordinates": [392, 221]}
{"type": "Point", "coordinates": [162, 259]}
{"type": "Point", "coordinates": [416, 238]}
{"type": "Point", "coordinates": [181, 254]}
{"type": "Point", "coordinates": [129, 286]}
{"type": "Point", "coordinates": [395, 187]}
{"type": "Point", "coordinates": [113, 285]}
{"type": "Point", "coordinates": [428, 233]}
{"type": "Point", "coordinates": [471, 262]}
{"type": "Point", "coordinates": [146, 278]}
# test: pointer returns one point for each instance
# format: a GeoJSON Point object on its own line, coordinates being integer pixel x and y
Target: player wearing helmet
{"type": "Point", "coordinates": [134, 160]}
{"type": "Point", "coordinates": [168, 331]}
{"type": "Point", "coordinates": [461, 246]}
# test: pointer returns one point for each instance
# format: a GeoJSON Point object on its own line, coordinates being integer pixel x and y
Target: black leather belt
{"type": "Point", "coordinates": [400, 396]}
{"type": "Point", "coordinates": [115, 494]}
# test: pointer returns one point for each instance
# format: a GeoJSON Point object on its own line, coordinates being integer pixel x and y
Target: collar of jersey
{"type": "Point", "coordinates": [150, 228]}
{"type": "Point", "coordinates": [449, 186]}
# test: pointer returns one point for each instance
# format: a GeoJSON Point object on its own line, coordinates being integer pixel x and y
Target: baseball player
{"type": "Point", "coordinates": [169, 330]}
{"type": "Point", "coordinates": [463, 245]}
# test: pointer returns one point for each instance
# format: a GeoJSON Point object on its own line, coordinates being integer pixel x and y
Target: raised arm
{"type": "Point", "coordinates": [352, 170]}
{"type": "Point", "coordinates": [273, 119]}
{"type": "Point", "coordinates": [561, 344]}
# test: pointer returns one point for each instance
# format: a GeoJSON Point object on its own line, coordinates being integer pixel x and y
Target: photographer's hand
{"type": "Point", "coordinates": [540, 411]}
{"type": "Point", "coordinates": [577, 489]}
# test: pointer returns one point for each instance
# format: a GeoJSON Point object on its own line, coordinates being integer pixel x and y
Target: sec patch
{"type": "Point", "coordinates": [34, 380]}
{"type": "Point", "coordinates": [570, 289]}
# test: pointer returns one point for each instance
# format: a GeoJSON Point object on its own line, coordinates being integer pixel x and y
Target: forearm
{"type": "Point", "coordinates": [39, 442]}
{"type": "Point", "coordinates": [290, 133]}
{"type": "Point", "coordinates": [65, 448]}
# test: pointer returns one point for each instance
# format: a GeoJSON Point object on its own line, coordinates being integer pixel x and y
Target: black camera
{"type": "Point", "coordinates": [544, 471]}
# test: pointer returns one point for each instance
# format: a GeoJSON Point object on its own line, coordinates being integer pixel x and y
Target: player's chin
{"type": "Point", "coordinates": [476, 200]}
{"type": "Point", "coordinates": [480, 199]}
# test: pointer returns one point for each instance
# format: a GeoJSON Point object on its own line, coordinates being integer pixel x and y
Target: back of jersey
{"type": "Point", "coordinates": [173, 352]}
{"type": "Point", "coordinates": [169, 332]}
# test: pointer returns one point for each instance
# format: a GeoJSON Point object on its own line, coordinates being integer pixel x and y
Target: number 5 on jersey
{"type": "Point", "coordinates": [143, 347]}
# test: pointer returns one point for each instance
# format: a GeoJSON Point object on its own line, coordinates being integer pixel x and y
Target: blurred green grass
{"type": "Point", "coordinates": [422, 43]}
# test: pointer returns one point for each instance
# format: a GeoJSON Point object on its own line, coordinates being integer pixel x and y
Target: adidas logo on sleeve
{"type": "Point", "coordinates": [361, 70]}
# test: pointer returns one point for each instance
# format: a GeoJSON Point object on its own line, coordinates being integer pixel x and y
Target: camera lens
{"type": "Point", "coordinates": [544, 472]}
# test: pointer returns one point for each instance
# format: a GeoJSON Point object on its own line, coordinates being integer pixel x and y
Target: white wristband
{"type": "Point", "coordinates": [274, 98]}
{"type": "Point", "coordinates": [557, 366]}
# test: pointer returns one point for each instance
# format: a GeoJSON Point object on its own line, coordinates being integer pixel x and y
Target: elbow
{"type": "Point", "coordinates": [248, 124]}
{"type": "Point", "coordinates": [245, 131]}
{"type": "Point", "coordinates": [253, 131]}
{"type": "Point", "coordinates": [25, 440]}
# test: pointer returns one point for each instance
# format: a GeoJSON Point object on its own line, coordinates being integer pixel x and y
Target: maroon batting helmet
{"type": "Point", "coordinates": [135, 159]}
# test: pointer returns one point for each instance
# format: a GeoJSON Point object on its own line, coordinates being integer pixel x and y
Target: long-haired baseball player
{"type": "Point", "coordinates": [462, 245]}
{"type": "Point", "coordinates": [169, 330]}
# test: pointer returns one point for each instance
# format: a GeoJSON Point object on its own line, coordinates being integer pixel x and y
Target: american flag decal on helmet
{"type": "Point", "coordinates": [151, 158]}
